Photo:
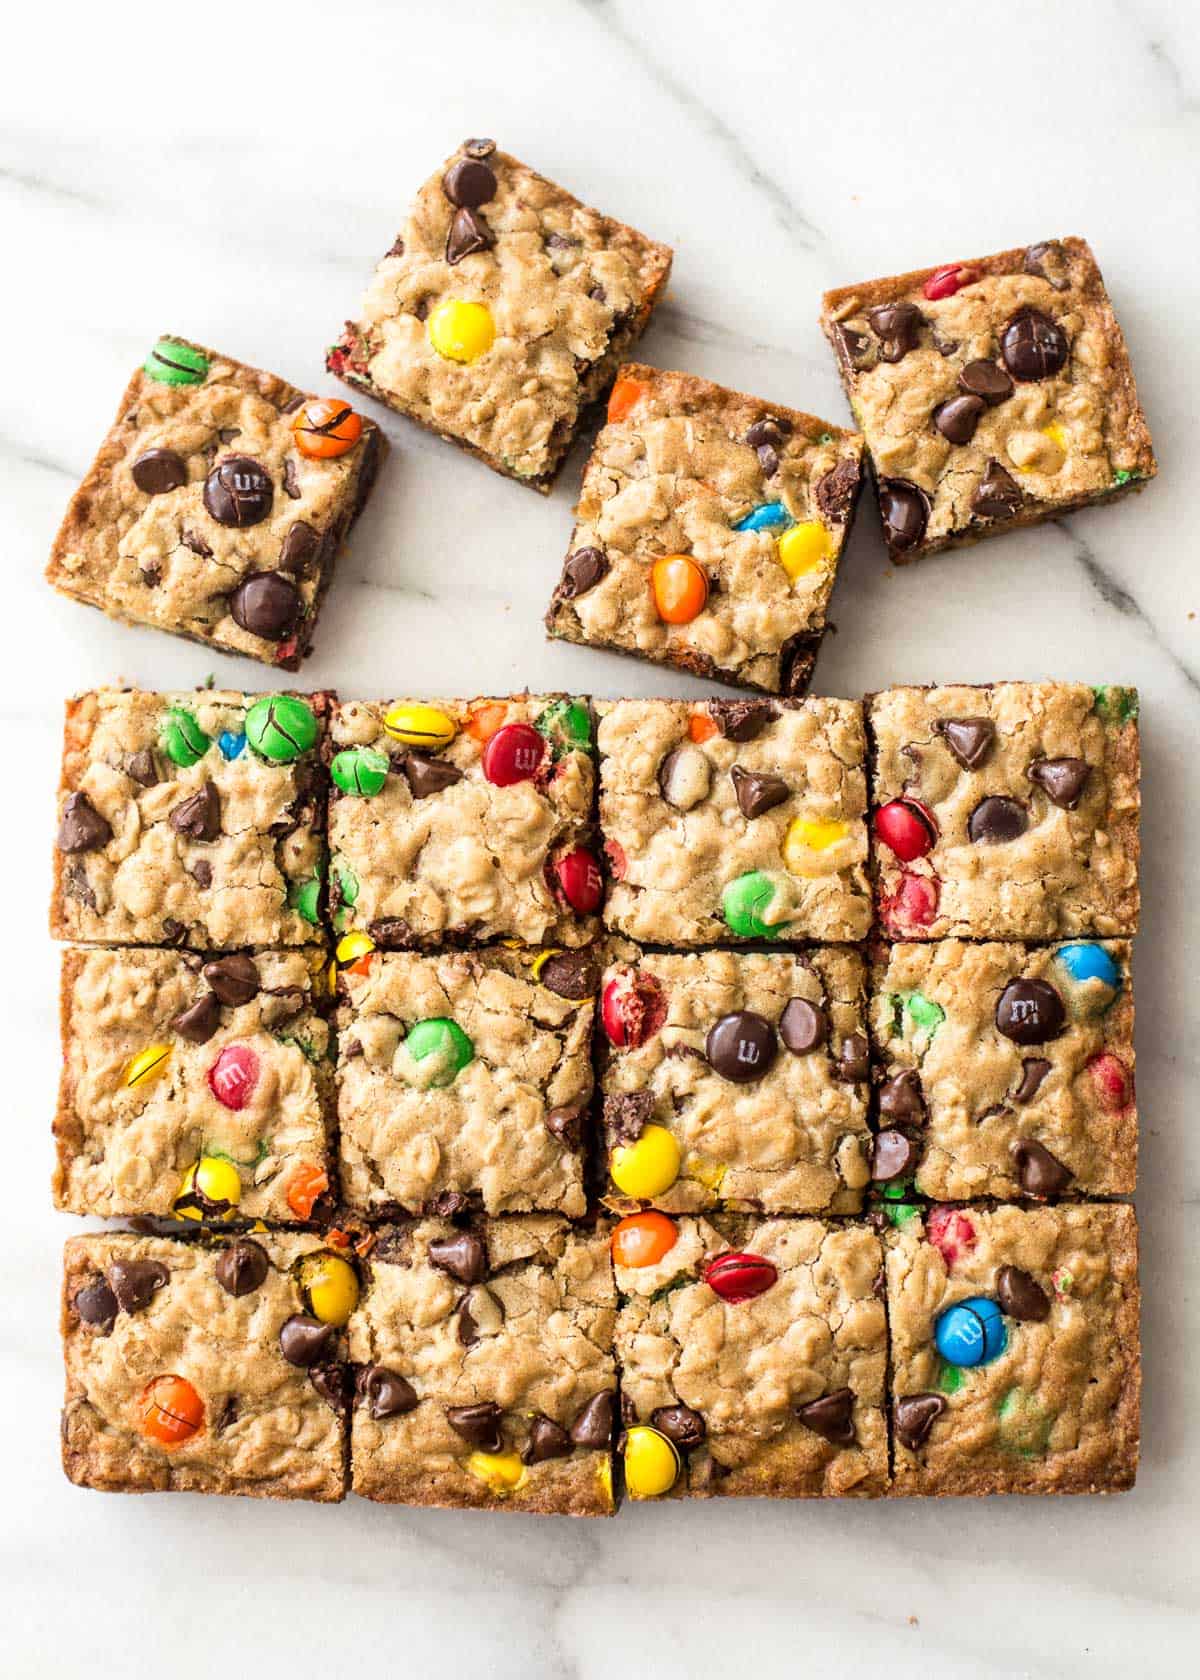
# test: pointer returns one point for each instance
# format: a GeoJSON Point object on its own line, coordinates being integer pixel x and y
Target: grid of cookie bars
{"type": "Point", "coordinates": [527, 1101]}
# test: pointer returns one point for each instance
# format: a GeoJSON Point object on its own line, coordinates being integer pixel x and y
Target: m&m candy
{"type": "Point", "coordinates": [652, 1463]}
{"type": "Point", "coordinates": [174, 363]}
{"type": "Point", "coordinates": [360, 771]}
{"type": "Point", "coordinates": [513, 754]}
{"type": "Point", "coordinates": [170, 1411]}
{"type": "Point", "coordinates": [182, 738]}
{"type": "Point", "coordinates": [906, 828]}
{"type": "Point", "coordinates": [233, 1076]}
{"type": "Point", "coordinates": [648, 1166]}
{"type": "Point", "coordinates": [746, 902]}
{"type": "Point", "coordinates": [643, 1239]}
{"type": "Point", "coordinates": [442, 1044]}
{"type": "Point", "coordinates": [461, 331]}
{"type": "Point", "coordinates": [680, 588]}
{"type": "Point", "coordinates": [280, 728]}
{"type": "Point", "coordinates": [971, 1332]}
{"type": "Point", "coordinates": [326, 427]}
{"type": "Point", "coordinates": [420, 726]}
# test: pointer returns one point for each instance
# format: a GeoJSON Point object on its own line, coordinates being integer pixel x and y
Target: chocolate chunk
{"type": "Point", "coordinates": [958, 418]}
{"type": "Point", "coordinates": [479, 1424]}
{"type": "Point", "coordinates": [680, 1424]}
{"type": "Point", "coordinates": [915, 1415]}
{"type": "Point", "coordinates": [570, 974]}
{"type": "Point", "coordinates": [1062, 780]}
{"type": "Point", "coordinates": [897, 326]}
{"type": "Point", "coordinates": [593, 1426]}
{"type": "Point", "coordinates": [446, 1204]}
{"type": "Point", "coordinates": [986, 380]}
{"type": "Point", "coordinates": [1039, 1173]}
{"type": "Point", "coordinates": [174, 933]}
{"type": "Point", "coordinates": [234, 979]}
{"type": "Point", "coordinates": [197, 544]}
{"type": "Point", "coordinates": [969, 739]}
{"type": "Point", "coordinates": [201, 873]}
{"type": "Point", "coordinates": [997, 495]}
{"type": "Point", "coordinates": [462, 1255]}
{"type": "Point", "coordinates": [426, 774]}
{"type": "Point", "coordinates": [478, 148]}
{"type": "Point", "coordinates": [306, 1341]}
{"type": "Point", "coordinates": [152, 576]}
{"type": "Point", "coordinates": [142, 768]}
{"type": "Point", "coordinates": [892, 1156]}
{"type": "Point", "coordinates": [332, 1384]}
{"type": "Point", "coordinates": [96, 1304]}
{"type": "Point", "coordinates": [902, 1099]}
{"type": "Point", "coordinates": [582, 571]}
{"type": "Point", "coordinates": [853, 1063]}
{"type": "Point", "coordinates": [291, 479]}
{"type": "Point", "coordinates": [905, 512]}
{"type": "Point", "coordinates": [996, 820]}
{"type": "Point", "coordinates": [565, 1124]}
{"type": "Point", "coordinates": [802, 1026]}
{"type": "Point", "coordinates": [769, 432]}
{"type": "Point", "coordinates": [1021, 1296]}
{"type": "Point", "coordinates": [627, 1114]}
{"type": "Point", "coordinates": [1033, 1071]}
{"type": "Point", "coordinates": [199, 817]}
{"type": "Point", "coordinates": [856, 348]}
{"type": "Point", "coordinates": [1030, 1012]}
{"type": "Point", "coordinates": [742, 720]}
{"type": "Point", "coordinates": [943, 346]}
{"type": "Point", "coordinates": [836, 490]}
{"type": "Point", "coordinates": [741, 1047]}
{"type": "Point", "coordinates": [1033, 346]}
{"type": "Point", "coordinates": [266, 604]}
{"type": "Point", "coordinates": [135, 1283]}
{"type": "Point", "coordinates": [831, 1417]}
{"type": "Point", "coordinates": [757, 792]}
{"type": "Point", "coordinates": [238, 492]}
{"type": "Point", "coordinates": [468, 233]}
{"type": "Point", "coordinates": [1048, 261]}
{"type": "Point", "coordinates": [158, 471]}
{"type": "Point", "coordinates": [199, 1021]}
{"type": "Point", "coordinates": [82, 828]}
{"type": "Point", "coordinates": [300, 548]}
{"type": "Point", "coordinates": [469, 183]}
{"type": "Point", "coordinates": [547, 1439]}
{"type": "Point", "coordinates": [242, 1267]}
{"type": "Point", "coordinates": [685, 777]}
{"type": "Point", "coordinates": [391, 933]}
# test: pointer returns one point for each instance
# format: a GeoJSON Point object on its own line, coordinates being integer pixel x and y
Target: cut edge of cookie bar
{"type": "Point", "coordinates": [1132, 422]}
{"type": "Point", "coordinates": [798, 655]}
{"type": "Point", "coordinates": [61, 576]}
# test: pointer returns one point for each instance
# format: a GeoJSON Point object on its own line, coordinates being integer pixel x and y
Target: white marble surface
{"type": "Point", "coordinates": [231, 175]}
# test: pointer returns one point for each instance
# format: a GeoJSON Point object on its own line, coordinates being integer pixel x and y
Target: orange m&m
{"type": "Point", "coordinates": [680, 588]}
{"type": "Point", "coordinates": [626, 394]}
{"type": "Point", "coordinates": [308, 1182]}
{"type": "Point", "coordinates": [170, 1411]}
{"type": "Point", "coordinates": [325, 427]}
{"type": "Point", "coordinates": [643, 1239]}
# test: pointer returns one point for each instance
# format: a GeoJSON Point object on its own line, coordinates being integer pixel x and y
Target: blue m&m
{"type": "Point", "coordinates": [1086, 960]}
{"type": "Point", "coordinates": [971, 1332]}
{"type": "Point", "coordinates": [232, 743]}
{"type": "Point", "coordinates": [771, 516]}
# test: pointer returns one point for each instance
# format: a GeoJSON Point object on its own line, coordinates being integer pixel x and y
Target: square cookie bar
{"type": "Point", "coordinates": [217, 505]}
{"type": "Point", "coordinates": [204, 1368]}
{"type": "Point", "coordinates": [735, 1080]}
{"type": "Point", "coordinates": [1007, 811]}
{"type": "Point", "coordinates": [463, 821]}
{"type": "Point", "coordinates": [486, 1373]}
{"type": "Point", "coordinates": [752, 1356]}
{"type": "Point", "coordinates": [203, 1087]}
{"type": "Point", "coordinates": [1007, 1069]}
{"type": "Point", "coordinates": [465, 1076]}
{"type": "Point", "coordinates": [993, 393]}
{"type": "Point", "coordinates": [190, 819]}
{"type": "Point", "coordinates": [1016, 1364]}
{"type": "Point", "coordinates": [501, 312]}
{"type": "Point", "coordinates": [734, 819]}
{"type": "Point", "coordinates": [709, 532]}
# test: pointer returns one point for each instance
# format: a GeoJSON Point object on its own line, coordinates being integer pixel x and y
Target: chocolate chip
{"type": "Point", "coordinates": [897, 326]}
{"type": "Point", "coordinates": [234, 979]}
{"type": "Point", "coordinates": [856, 348]}
{"type": "Point", "coordinates": [742, 720]}
{"type": "Point", "coordinates": [332, 1384]}
{"type": "Point", "coordinates": [479, 1424]}
{"type": "Point", "coordinates": [199, 817]}
{"type": "Point", "coordinates": [685, 777]}
{"type": "Point", "coordinates": [1062, 780]}
{"type": "Point", "coordinates": [627, 1114]}
{"type": "Point", "coordinates": [1033, 346]}
{"type": "Point", "coordinates": [997, 820]}
{"type": "Point", "coordinates": [468, 233]}
{"type": "Point", "coordinates": [469, 183]}
{"type": "Point", "coordinates": [547, 1439]}
{"type": "Point", "coordinates": [853, 1063]}
{"type": "Point", "coordinates": [997, 495]}
{"type": "Point", "coordinates": [391, 933]}
{"type": "Point", "coordinates": [565, 1124]}
{"type": "Point", "coordinates": [446, 1204]}
{"type": "Point", "coordinates": [426, 774]}
{"type": "Point", "coordinates": [96, 1304]}
{"type": "Point", "coordinates": [915, 1415]}
{"type": "Point", "coordinates": [769, 432]}
{"type": "Point", "coordinates": [305, 1341]}
{"type": "Point", "coordinates": [1048, 261]}
{"type": "Point", "coordinates": [1030, 1012]}
{"type": "Point", "coordinates": [741, 1047]}
{"type": "Point", "coordinates": [82, 828]}
{"type": "Point", "coordinates": [680, 1424]}
{"type": "Point", "coordinates": [300, 547]}
{"type": "Point", "coordinates": [199, 1021]}
{"type": "Point", "coordinates": [1021, 1296]}
{"type": "Point", "coordinates": [478, 148]}
{"type": "Point", "coordinates": [142, 768]}
{"type": "Point", "coordinates": [582, 571]}
{"type": "Point", "coordinates": [802, 1027]}
{"type": "Point", "coordinates": [958, 418]}
{"type": "Point", "coordinates": [238, 492]}
{"type": "Point", "coordinates": [242, 1267]}
{"type": "Point", "coordinates": [570, 974]}
{"type": "Point", "coordinates": [943, 346]}
{"type": "Point", "coordinates": [892, 1156]}
{"type": "Point", "coordinates": [986, 380]}
{"type": "Point", "coordinates": [836, 490]}
{"type": "Point", "coordinates": [902, 1099]}
{"type": "Point", "coordinates": [158, 471]}
{"type": "Point", "coordinates": [1039, 1173]}
{"type": "Point", "coordinates": [266, 604]}
{"type": "Point", "coordinates": [201, 873]}
{"type": "Point", "coordinates": [196, 543]}
{"type": "Point", "coordinates": [757, 792]}
{"type": "Point", "coordinates": [969, 739]}
{"type": "Point", "coordinates": [831, 1417]}
{"type": "Point", "coordinates": [593, 1426]}
{"type": "Point", "coordinates": [1033, 1071]}
{"type": "Point", "coordinates": [462, 1255]}
{"type": "Point", "coordinates": [291, 479]}
{"type": "Point", "coordinates": [135, 1283]}
{"type": "Point", "coordinates": [905, 512]}
{"type": "Point", "coordinates": [151, 576]}
{"type": "Point", "coordinates": [174, 933]}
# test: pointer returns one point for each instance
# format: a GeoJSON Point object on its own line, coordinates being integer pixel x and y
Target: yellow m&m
{"type": "Point", "coordinates": [648, 1167]}
{"type": "Point", "coordinates": [805, 548]}
{"type": "Point", "coordinates": [214, 1179]}
{"type": "Point", "coordinates": [806, 835]}
{"type": "Point", "coordinates": [147, 1065]}
{"type": "Point", "coordinates": [330, 1286]}
{"type": "Point", "coordinates": [461, 331]}
{"type": "Point", "coordinates": [501, 1472]}
{"type": "Point", "coordinates": [420, 726]}
{"type": "Point", "coordinates": [651, 1463]}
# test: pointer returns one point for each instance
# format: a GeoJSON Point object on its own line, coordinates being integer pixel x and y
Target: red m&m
{"type": "Point", "coordinates": [948, 279]}
{"type": "Point", "coordinates": [580, 881]}
{"type": "Point", "coordinates": [906, 828]}
{"type": "Point", "coordinates": [233, 1076]}
{"type": "Point", "coordinates": [513, 754]}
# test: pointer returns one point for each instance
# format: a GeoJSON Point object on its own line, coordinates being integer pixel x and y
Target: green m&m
{"type": "Point", "coordinates": [172, 362]}
{"type": "Point", "coordinates": [182, 738]}
{"type": "Point", "coordinates": [439, 1050]}
{"type": "Point", "coordinates": [567, 725]}
{"type": "Point", "coordinates": [279, 727]}
{"type": "Point", "coordinates": [745, 902]}
{"type": "Point", "coordinates": [304, 897]}
{"type": "Point", "coordinates": [360, 771]}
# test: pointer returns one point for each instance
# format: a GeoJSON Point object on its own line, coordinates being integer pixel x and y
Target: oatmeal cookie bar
{"type": "Point", "coordinates": [709, 532]}
{"type": "Point", "coordinates": [199, 1086]}
{"type": "Point", "coordinates": [485, 1368]}
{"type": "Point", "coordinates": [734, 819]}
{"type": "Point", "coordinates": [1006, 1070]}
{"type": "Point", "coordinates": [217, 505]}
{"type": "Point", "coordinates": [735, 1080]}
{"type": "Point", "coordinates": [993, 393]}
{"type": "Point", "coordinates": [501, 312]}
{"type": "Point", "coordinates": [465, 1075]}
{"type": "Point", "coordinates": [752, 1356]}
{"type": "Point", "coordinates": [190, 819]}
{"type": "Point", "coordinates": [463, 821]}
{"type": "Point", "coordinates": [1006, 811]}
{"type": "Point", "coordinates": [1015, 1350]}
{"type": "Point", "coordinates": [206, 1367]}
